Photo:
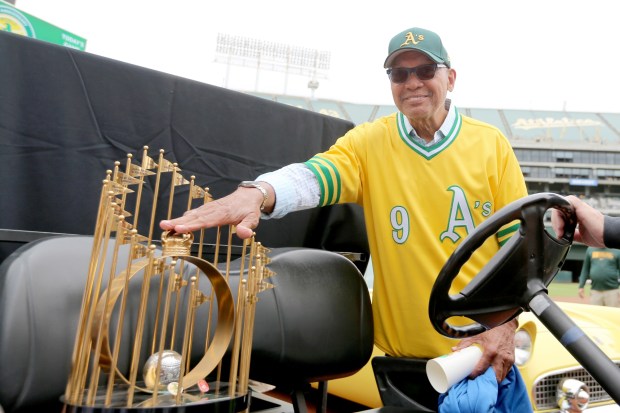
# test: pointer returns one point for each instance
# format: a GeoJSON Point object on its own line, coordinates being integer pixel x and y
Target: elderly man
{"type": "Point", "coordinates": [425, 176]}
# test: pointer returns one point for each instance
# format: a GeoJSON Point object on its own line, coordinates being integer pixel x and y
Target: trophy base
{"type": "Point", "coordinates": [189, 402]}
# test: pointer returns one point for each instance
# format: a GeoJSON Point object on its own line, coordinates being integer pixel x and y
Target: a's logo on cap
{"type": "Point", "coordinates": [411, 38]}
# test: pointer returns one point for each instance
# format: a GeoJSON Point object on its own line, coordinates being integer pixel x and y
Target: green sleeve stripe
{"type": "Point", "coordinates": [338, 186]}
{"type": "Point", "coordinates": [504, 235]}
{"type": "Point", "coordinates": [508, 230]}
{"type": "Point", "coordinates": [324, 169]}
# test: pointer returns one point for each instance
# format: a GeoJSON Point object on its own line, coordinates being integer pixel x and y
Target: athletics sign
{"type": "Point", "coordinates": [18, 22]}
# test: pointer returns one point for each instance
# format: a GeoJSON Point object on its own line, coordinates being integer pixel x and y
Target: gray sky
{"type": "Point", "coordinates": [526, 54]}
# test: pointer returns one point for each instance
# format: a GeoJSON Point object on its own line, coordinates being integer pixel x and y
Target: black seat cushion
{"type": "Point", "coordinates": [316, 323]}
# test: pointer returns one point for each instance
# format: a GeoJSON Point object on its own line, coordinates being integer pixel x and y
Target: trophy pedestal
{"type": "Point", "coordinates": [189, 402]}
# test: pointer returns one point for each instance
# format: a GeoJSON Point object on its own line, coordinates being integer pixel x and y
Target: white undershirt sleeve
{"type": "Point", "coordinates": [296, 188]}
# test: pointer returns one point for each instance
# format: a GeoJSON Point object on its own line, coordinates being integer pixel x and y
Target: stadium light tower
{"type": "Point", "coordinates": [278, 57]}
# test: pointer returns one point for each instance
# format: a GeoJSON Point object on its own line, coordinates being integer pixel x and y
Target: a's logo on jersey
{"type": "Point", "coordinates": [411, 38]}
{"type": "Point", "coordinates": [460, 216]}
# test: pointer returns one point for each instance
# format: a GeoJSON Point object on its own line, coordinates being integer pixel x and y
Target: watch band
{"type": "Point", "coordinates": [253, 184]}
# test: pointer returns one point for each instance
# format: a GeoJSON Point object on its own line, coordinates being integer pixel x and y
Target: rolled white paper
{"type": "Point", "coordinates": [445, 371]}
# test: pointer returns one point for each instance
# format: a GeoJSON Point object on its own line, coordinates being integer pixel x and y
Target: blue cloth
{"type": "Point", "coordinates": [483, 394]}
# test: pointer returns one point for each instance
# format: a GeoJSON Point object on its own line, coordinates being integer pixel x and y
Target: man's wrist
{"type": "Point", "coordinates": [257, 185]}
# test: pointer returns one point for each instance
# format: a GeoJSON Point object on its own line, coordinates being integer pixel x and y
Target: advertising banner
{"type": "Point", "coordinates": [18, 22]}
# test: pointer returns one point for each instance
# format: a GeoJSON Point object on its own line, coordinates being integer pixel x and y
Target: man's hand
{"type": "Point", "coordinates": [498, 350]}
{"type": "Point", "coordinates": [240, 208]}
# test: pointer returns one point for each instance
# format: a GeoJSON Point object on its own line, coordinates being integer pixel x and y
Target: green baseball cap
{"type": "Point", "coordinates": [418, 39]}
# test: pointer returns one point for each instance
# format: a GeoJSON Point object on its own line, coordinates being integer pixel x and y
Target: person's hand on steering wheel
{"type": "Point", "coordinates": [591, 222]}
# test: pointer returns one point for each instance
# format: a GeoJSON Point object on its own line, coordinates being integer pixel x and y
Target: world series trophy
{"type": "Point", "coordinates": [159, 328]}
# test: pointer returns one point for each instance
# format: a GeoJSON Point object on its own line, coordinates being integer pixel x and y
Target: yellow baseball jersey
{"type": "Point", "coordinates": [419, 204]}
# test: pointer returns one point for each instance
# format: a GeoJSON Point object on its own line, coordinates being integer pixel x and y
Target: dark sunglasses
{"type": "Point", "coordinates": [423, 72]}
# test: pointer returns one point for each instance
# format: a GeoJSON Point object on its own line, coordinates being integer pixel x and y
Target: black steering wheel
{"type": "Point", "coordinates": [516, 280]}
{"type": "Point", "coordinates": [521, 269]}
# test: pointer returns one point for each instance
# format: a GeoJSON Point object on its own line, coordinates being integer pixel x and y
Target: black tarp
{"type": "Point", "coordinates": [66, 116]}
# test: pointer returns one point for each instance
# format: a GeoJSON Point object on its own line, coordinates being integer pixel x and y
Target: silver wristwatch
{"type": "Point", "coordinates": [253, 184]}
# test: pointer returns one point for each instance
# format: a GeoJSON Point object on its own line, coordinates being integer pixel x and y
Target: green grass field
{"type": "Point", "coordinates": [557, 289]}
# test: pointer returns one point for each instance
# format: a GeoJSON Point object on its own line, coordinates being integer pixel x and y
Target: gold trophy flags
{"type": "Point", "coordinates": [159, 322]}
